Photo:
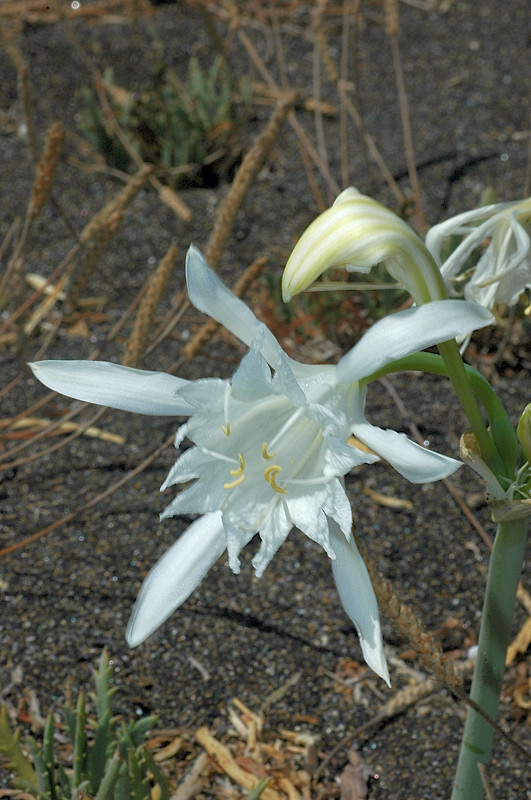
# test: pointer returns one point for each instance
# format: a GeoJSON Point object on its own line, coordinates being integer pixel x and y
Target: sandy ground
{"type": "Point", "coordinates": [68, 595]}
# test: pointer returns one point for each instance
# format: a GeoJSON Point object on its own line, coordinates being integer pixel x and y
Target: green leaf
{"type": "Point", "coordinates": [18, 762]}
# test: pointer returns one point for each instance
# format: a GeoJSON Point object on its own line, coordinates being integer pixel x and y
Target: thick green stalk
{"type": "Point", "coordinates": [456, 372]}
{"type": "Point", "coordinates": [494, 636]}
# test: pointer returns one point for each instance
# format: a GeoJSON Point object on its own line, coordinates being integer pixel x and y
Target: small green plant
{"type": "Point", "coordinates": [188, 130]}
{"type": "Point", "coordinates": [109, 760]}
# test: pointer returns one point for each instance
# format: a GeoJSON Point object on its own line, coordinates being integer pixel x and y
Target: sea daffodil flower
{"type": "Point", "coordinates": [270, 447]}
{"type": "Point", "coordinates": [503, 271]}
{"type": "Point", "coordinates": [357, 233]}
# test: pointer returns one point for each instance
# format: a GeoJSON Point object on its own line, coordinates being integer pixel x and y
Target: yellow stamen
{"type": "Point", "coordinates": [265, 454]}
{"type": "Point", "coordinates": [226, 429]}
{"type": "Point", "coordinates": [234, 483]}
{"type": "Point", "coordinates": [241, 468]}
{"type": "Point", "coordinates": [235, 472]}
{"type": "Point", "coordinates": [271, 477]}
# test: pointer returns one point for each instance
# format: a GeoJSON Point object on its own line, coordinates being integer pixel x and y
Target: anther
{"type": "Point", "coordinates": [241, 468]}
{"type": "Point", "coordinates": [226, 429]}
{"type": "Point", "coordinates": [239, 474]}
{"type": "Point", "coordinates": [265, 454]}
{"type": "Point", "coordinates": [270, 475]}
{"type": "Point", "coordinates": [234, 483]}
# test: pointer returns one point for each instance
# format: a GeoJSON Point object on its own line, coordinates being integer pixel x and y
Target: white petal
{"type": "Point", "coordinates": [411, 460]}
{"type": "Point", "coordinates": [116, 386]}
{"type": "Point", "coordinates": [176, 575]}
{"type": "Point", "coordinates": [211, 296]}
{"type": "Point", "coordinates": [358, 599]}
{"type": "Point", "coordinates": [458, 225]}
{"type": "Point", "coordinates": [252, 379]}
{"type": "Point", "coordinates": [407, 331]}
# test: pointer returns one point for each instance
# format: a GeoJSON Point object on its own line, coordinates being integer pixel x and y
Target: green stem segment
{"type": "Point", "coordinates": [456, 372]}
{"type": "Point", "coordinates": [498, 609]}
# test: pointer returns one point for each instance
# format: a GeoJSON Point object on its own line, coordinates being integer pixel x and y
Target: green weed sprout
{"type": "Point", "coordinates": [109, 758]}
{"type": "Point", "coordinates": [187, 129]}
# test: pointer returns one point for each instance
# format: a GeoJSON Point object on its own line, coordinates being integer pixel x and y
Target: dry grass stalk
{"type": "Point", "coordinates": [224, 759]}
{"type": "Point", "coordinates": [247, 172]}
{"type": "Point", "coordinates": [427, 648]}
{"type": "Point", "coordinates": [158, 282]}
{"type": "Point", "coordinates": [24, 90]}
{"type": "Point", "coordinates": [46, 169]}
{"type": "Point", "coordinates": [391, 17]}
{"type": "Point", "coordinates": [98, 233]}
{"type": "Point", "coordinates": [51, 11]}
{"type": "Point", "coordinates": [408, 696]}
{"type": "Point", "coordinates": [49, 301]}
{"type": "Point", "coordinates": [392, 28]}
{"type": "Point", "coordinates": [321, 39]}
{"type": "Point", "coordinates": [207, 331]}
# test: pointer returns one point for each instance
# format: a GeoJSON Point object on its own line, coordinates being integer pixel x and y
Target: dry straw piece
{"type": "Point", "coordinates": [46, 169]}
{"type": "Point", "coordinates": [24, 90]}
{"type": "Point", "coordinates": [157, 283]}
{"type": "Point", "coordinates": [321, 39]}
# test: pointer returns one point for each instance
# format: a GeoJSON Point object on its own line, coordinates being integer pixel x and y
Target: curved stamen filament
{"type": "Point", "coordinates": [265, 454]}
{"type": "Point", "coordinates": [234, 483]}
{"type": "Point", "coordinates": [241, 468]}
{"type": "Point", "coordinates": [270, 475]}
{"type": "Point", "coordinates": [239, 474]}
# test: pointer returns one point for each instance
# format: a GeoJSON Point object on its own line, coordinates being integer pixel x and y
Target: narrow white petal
{"type": "Point", "coordinates": [458, 225]}
{"type": "Point", "coordinates": [414, 462]}
{"type": "Point", "coordinates": [358, 599]}
{"type": "Point", "coordinates": [407, 331]}
{"type": "Point", "coordinates": [116, 386]}
{"type": "Point", "coordinates": [212, 297]}
{"type": "Point", "coordinates": [175, 576]}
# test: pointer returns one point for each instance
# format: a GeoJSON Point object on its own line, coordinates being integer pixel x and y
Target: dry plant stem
{"type": "Point", "coordinates": [48, 11]}
{"type": "Point", "coordinates": [246, 175]}
{"type": "Point", "coordinates": [24, 89]}
{"type": "Point", "coordinates": [318, 113]}
{"type": "Point", "coordinates": [342, 78]}
{"type": "Point", "coordinates": [391, 18]}
{"type": "Point", "coordinates": [45, 432]}
{"type": "Point", "coordinates": [157, 283]}
{"type": "Point", "coordinates": [91, 503]}
{"type": "Point", "coordinates": [321, 40]}
{"type": "Point", "coordinates": [38, 292]}
{"type": "Point", "coordinates": [303, 139]}
{"type": "Point", "coordinates": [498, 609]}
{"type": "Point", "coordinates": [370, 143]}
{"type": "Point", "coordinates": [99, 232]}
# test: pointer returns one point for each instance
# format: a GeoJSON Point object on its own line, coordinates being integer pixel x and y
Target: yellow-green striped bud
{"type": "Point", "coordinates": [523, 432]}
{"type": "Point", "coordinates": [357, 233]}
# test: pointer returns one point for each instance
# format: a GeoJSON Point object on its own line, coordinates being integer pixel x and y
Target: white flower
{"type": "Point", "coordinates": [270, 447]}
{"type": "Point", "coordinates": [503, 271]}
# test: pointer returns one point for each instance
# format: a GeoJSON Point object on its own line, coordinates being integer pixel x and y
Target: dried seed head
{"type": "Point", "coordinates": [46, 169]}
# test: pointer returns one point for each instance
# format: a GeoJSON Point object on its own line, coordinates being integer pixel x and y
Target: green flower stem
{"type": "Point", "coordinates": [494, 636]}
{"type": "Point", "coordinates": [456, 372]}
{"type": "Point", "coordinates": [501, 429]}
